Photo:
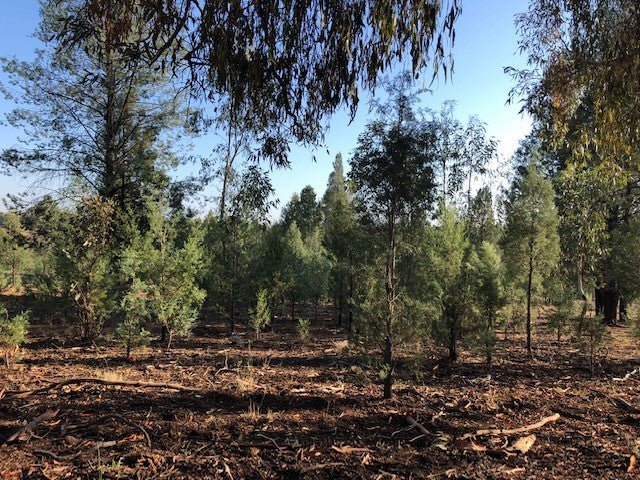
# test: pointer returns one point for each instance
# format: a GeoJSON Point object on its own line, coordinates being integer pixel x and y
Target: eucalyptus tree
{"type": "Point", "coordinates": [392, 171]}
{"type": "Point", "coordinates": [581, 85]}
{"type": "Point", "coordinates": [289, 63]}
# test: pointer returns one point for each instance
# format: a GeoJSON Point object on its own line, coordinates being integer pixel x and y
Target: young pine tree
{"type": "Point", "coordinates": [448, 250]}
{"type": "Point", "coordinates": [530, 241]}
{"type": "Point", "coordinates": [261, 316]}
{"type": "Point", "coordinates": [13, 333]}
{"type": "Point", "coordinates": [487, 286]}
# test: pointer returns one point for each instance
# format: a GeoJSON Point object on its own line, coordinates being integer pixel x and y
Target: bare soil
{"type": "Point", "coordinates": [283, 408]}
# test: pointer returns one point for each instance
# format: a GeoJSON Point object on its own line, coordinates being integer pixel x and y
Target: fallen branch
{"type": "Point", "coordinates": [95, 448]}
{"type": "Point", "coordinates": [414, 424]}
{"type": "Point", "coordinates": [99, 381]}
{"type": "Point", "coordinates": [45, 417]}
{"type": "Point", "coordinates": [513, 431]}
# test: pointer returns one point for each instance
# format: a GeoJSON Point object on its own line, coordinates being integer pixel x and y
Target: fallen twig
{"type": "Point", "coordinates": [45, 417]}
{"type": "Point", "coordinates": [99, 381]}
{"type": "Point", "coordinates": [513, 431]}
{"type": "Point", "coordinates": [414, 423]}
{"type": "Point", "coordinates": [96, 447]}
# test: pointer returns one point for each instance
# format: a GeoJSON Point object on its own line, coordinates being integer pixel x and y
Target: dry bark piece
{"type": "Point", "coordinates": [523, 444]}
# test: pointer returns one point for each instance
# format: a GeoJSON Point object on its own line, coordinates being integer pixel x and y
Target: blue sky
{"type": "Point", "coordinates": [486, 42]}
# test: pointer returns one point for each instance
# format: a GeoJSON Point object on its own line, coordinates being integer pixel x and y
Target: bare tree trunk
{"type": "Point", "coordinates": [529, 287]}
{"type": "Point", "coordinates": [391, 305]}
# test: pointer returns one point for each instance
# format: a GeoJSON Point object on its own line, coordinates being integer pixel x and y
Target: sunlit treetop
{"type": "Point", "coordinates": [284, 65]}
{"type": "Point", "coordinates": [583, 82]}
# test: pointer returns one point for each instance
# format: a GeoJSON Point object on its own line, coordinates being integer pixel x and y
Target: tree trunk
{"type": "Point", "coordinates": [599, 294]}
{"type": "Point", "coordinates": [388, 363]}
{"type": "Point", "coordinates": [169, 339]}
{"type": "Point", "coordinates": [293, 308]}
{"type": "Point", "coordinates": [623, 310]}
{"type": "Point", "coordinates": [529, 287]}
{"type": "Point", "coordinates": [610, 299]}
{"type": "Point", "coordinates": [350, 316]}
{"type": "Point", "coordinates": [453, 343]}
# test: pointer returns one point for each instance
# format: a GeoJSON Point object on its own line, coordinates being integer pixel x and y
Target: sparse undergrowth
{"type": "Point", "coordinates": [280, 408]}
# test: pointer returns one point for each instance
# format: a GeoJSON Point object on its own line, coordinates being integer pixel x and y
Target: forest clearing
{"type": "Point", "coordinates": [280, 407]}
{"type": "Point", "coordinates": [351, 239]}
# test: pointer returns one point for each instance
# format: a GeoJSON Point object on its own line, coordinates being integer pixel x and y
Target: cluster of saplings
{"type": "Point", "coordinates": [400, 247]}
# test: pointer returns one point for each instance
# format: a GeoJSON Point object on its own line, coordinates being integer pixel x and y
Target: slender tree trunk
{"type": "Point", "coordinates": [391, 304]}
{"type": "Point", "coordinates": [169, 339]}
{"type": "Point", "coordinates": [13, 269]}
{"type": "Point", "coordinates": [622, 310]}
{"type": "Point", "coordinates": [453, 343]}
{"type": "Point", "coordinates": [293, 308]}
{"type": "Point", "coordinates": [489, 338]}
{"type": "Point", "coordinates": [610, 299]}
{"type": "Point", "coordinates": [350, 318]}
{"type": "Point", "coordinates": [529, 287]}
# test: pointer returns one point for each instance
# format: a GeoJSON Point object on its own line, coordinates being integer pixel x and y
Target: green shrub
{"type": "Point", "coordinates": [261, 316]}
{"type": "Point", "coordinates": [303, 328]}
{"type": "Point", "coordinates": [13, 332]}
{"type": "Point", "coordinates": [130, 332]}
{"type": "Point", "coordinates": [591, 339]}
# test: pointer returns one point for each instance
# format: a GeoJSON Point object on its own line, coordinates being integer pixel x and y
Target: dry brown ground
{"type": "Point", "coordinates": [286, 409]}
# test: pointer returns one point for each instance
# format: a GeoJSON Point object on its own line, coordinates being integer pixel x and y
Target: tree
{"type": "Point", "coordinates": [304, 210]}
{"type": "Point", "coordinates": [293, 269]}
{"type": "Point", "coordinates": [261, 316]}
{"type": "Point", "coordinates": [283, 50]}
{"type": "Point", "coordinates": [231, 242]}
{"type": "Point", "coordinates": [342, 237]}
{"type": "Point", "coordinates": [13, 332]}
{"type": "Point", "coordinates": [488, 293]}
{"type": "Point", "coordinates": [448, 250]}
{"type": "Point", "coordinates": [581, 89]}
{"type": "Point", "coordinates": [131, 332]}
{"type": "Point", "coordinates": [480, 219]}
{"type": "Point", "coordinates": [13, 241]}
{"type": "Point", "coordinates": [530, 241]}
{"type": "Point", "coordinates": [91, 115]}
{"type": "Point", "coordinates": [84, 260]}
{"type": "Point", "coordinates": [169, 271]}
{"type": "Point", "coordinates": [393, 176]}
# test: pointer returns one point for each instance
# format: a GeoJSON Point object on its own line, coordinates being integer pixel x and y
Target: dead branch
{"type": "Point", "coordinates": [513, 431]}
{"type": "Point", "coordinates": [96, 447]}
{"type": "Point", "coordinates": [45, 417]}
{"type": "Point", "coordinates": [414, 424]}
{"type": "Point", "coordinates": [99, 381]}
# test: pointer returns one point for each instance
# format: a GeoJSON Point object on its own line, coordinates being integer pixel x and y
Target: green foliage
{"type": "Point", "coordinates": [530, 241]}
{"type": "Point", "coordinates": [169, 272]}
{"type": "Point", "coordinates": [481, 222]}
{"type": "Point", "coordinates": [287, 52]}
{"type": "Point", "coordinates": [591, 339]}
{"type": "Point", "coordinates": [261, 316]}
{"type": "Point", "coordinates": [343, 238]}
{"type": "Point", "coordinates": [84, 263]}
{"type": "Point", "coordinates": [392, 173]}
{"type": "Point", "coordinates": [304, 211]}
{"type": "Point", "coordinates": [130, 332]}
{"type": "Point", "coordinates": [486, 276]}
{"type": "Point", "coordinates": [13, 332]}
{"type": "Point", "coordinates": [304, 326]}
{"type": "Point", "coordinates": [447, 251]}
